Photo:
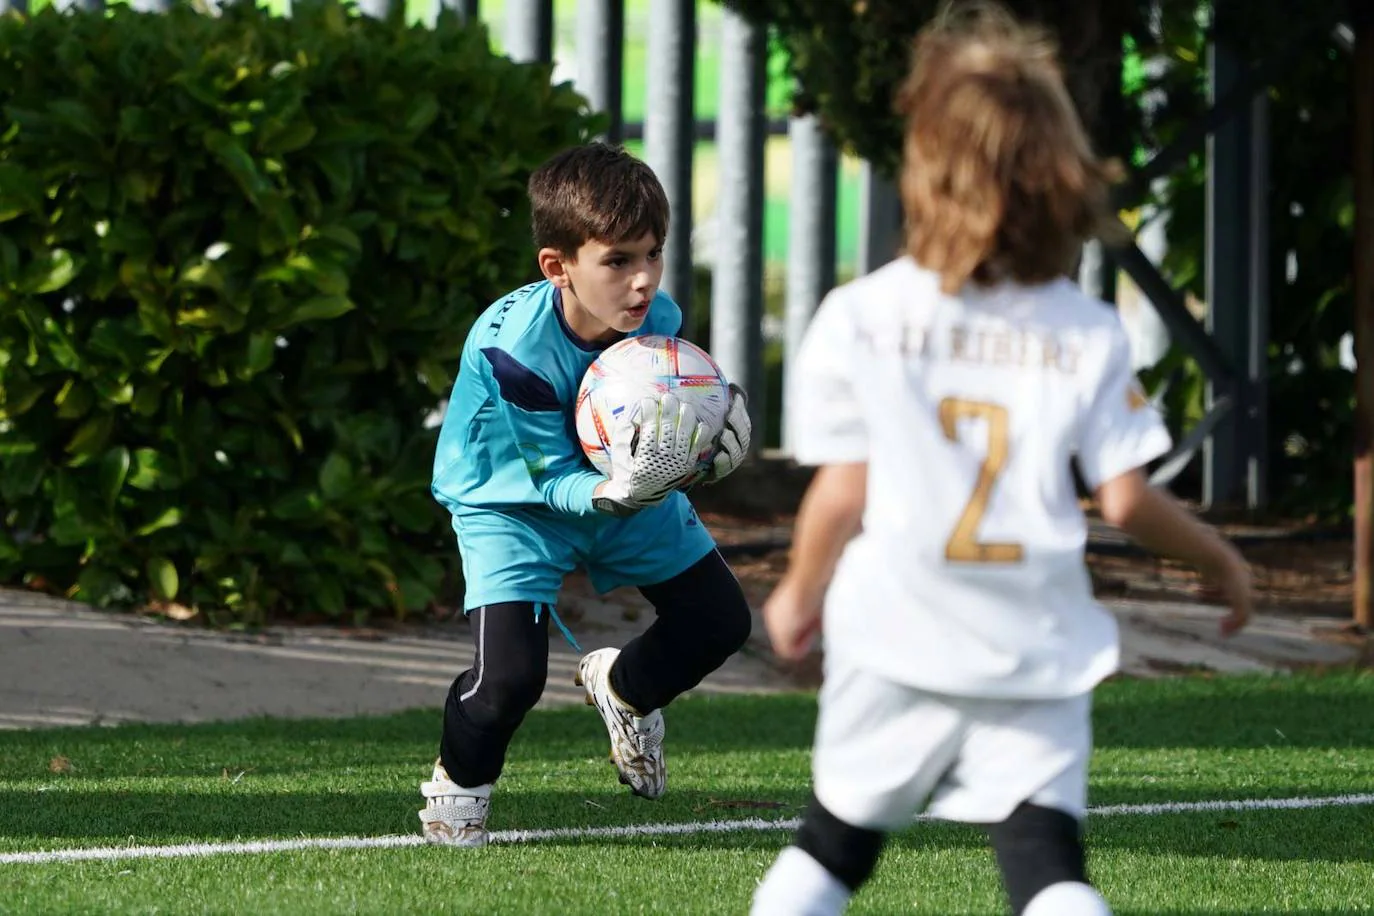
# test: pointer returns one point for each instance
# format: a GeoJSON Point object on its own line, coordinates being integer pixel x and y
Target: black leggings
{"type": "Point", "coordinates": [1036, 847]}
{"type": "Point", "coordinates": [701, 619]}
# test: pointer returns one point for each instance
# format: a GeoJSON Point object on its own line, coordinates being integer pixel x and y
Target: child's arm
{"type": "Point", "coordinates": [665, 433]}
{"type": "Point", "coordinates": [1160, 523]}
{"type": "Point", "coordinates": [554, 463]}
{"type": "Point", "coordinates": [829, 517]}
{"type": "Point", "coordinates": [535, 417]}
{"type": "Point", "coordinates": [1120, 434]}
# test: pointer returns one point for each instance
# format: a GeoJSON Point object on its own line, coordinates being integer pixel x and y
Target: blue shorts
{"type": "Point", "coordinates": [523, 555]}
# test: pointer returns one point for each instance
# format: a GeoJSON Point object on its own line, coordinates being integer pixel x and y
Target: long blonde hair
{"type": "Point", "coordinates": [999, 180]}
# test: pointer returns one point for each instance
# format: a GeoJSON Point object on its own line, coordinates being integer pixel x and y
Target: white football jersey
{"type": "Point", "coordinates": [968, 576]}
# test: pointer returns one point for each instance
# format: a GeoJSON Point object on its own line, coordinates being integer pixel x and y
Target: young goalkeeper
{"type": "Point", "coordinates": [942, 398]}
{"type": "Point", "coordinates": [527, 507]}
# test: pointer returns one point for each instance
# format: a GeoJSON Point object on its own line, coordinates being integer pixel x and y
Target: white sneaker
{"type": "Point", "coordinates": [636, 741]}
{"type": "Point", "coordinates": [453, 815]}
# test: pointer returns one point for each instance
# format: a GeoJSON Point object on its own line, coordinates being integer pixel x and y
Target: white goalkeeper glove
{"type": "Point", "coordinates": [653, 452]}
{"type": "Point", "coordinates": [733, 445]}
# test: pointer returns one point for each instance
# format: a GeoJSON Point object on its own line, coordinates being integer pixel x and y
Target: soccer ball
{"type": "Point", "coordinates": [643, 367]}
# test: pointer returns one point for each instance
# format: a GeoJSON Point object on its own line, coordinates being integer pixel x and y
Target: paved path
{"type": "Point", "coordinates": [64, 664]}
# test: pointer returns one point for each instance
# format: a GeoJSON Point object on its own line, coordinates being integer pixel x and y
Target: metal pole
{"type": "Point", "coordinates": [1227, 276]}
{"type": "Point", "coordinates": [529, 30]}
{"type": "Point", "coordinates": [737, 286]}
{"type": "Point", "coordinates": [466, 10]}
{"type": "Point", "coordinates": [1093, 267]}
{"type": "Point", "coordinates": [669, 136]}
{"type": "Point", "coordinates": [601, 60]}
{"type": "Point", "coordinates": [811, 245]}
{"type": "Point", "coordinates": [377, 9]}
{"type": "Point", "coordinates": [880, 220]}
{"type": "Point", "coordinates": [1257, 404]}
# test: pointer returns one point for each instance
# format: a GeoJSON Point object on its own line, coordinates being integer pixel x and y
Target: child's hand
{"type": "Point", "coordinates": [732, 446]}
{"type": "Point", "coordinates": [653, 452]}
{"type": "Point", "coordinates": [1229, 584]}
{"type": "Point", "coordinates": [793, 620]}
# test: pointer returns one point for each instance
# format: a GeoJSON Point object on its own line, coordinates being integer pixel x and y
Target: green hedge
{"type": "Point", "coordinates": [238, 258]}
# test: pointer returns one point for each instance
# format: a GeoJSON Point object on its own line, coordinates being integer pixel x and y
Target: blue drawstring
{"type": "Point", "coordinates": [567, 634]}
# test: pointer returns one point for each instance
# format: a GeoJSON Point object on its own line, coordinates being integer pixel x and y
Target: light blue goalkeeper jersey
{"type": "Point", "coordinates": [508, 439]}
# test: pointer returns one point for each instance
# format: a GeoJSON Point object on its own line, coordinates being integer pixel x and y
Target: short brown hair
{"type": "Point", "coordinates": [595, 192]}
{"type": "Point", "coordinates": [999, 180]}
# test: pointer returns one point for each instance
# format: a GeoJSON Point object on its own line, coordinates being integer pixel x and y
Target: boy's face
{"type": "Point", "coordinates": [606, 288]}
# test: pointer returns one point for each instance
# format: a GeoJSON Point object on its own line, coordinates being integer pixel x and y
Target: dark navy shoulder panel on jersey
{"type": "Point", "coordinates": [520, 385]}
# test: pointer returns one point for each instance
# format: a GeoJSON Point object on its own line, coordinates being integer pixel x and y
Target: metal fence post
{"type": "Point", "coordinates": [529, 30]}
{"type": "Point", "coordinates": [737, 285]}
{"type": "Point", "coordinates": [880, 220]}
{"type": "Point", "coordinates": [811, 246]}
{"type": "Point", "coordinates": [601, 59]}
{"type": "Point", "coordinates": [669, 136]}
{"type": "Point", "coordinates": [1230, 214]}
{"type": "Point", "coordinates": [377, 9]}
{"type": "Point", "coordinates": [1256, 414]}
{"type": "Point", "coordinates": [1094, 268]}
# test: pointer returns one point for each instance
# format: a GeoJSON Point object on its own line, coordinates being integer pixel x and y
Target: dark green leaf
{"type": "Point", "coordinates": [337, 167]}
{"type": "Point", "coordinates": [147, 399]}
{"type": "Point", "coordinates": [319, 308]}
{"type": "Point", "coordinates": [289, 137]}
{"type": "Point", "coordinates": [21, 474]}
{"type": "Point", "coordinates": [114, 470]}
{"type": "Point", "coordinates": [421, 112]}
{"type": "Point", "coordinates": [152, 471]}
{"type": "Point", "coordinates": [162, 578]}
{"type": "Point", "coordinates": [51, 271]}
{"type": "Point", "coordinates": [414, 512]}
{"type": "Point", "coordinates": [74, 400]}
{"type": "Point", "coordinates": [297, 505]}
{"type": "Point", "coordinates": [18, 393]}
{"type": "Point", "coordinates": [169, 518]}
{"type": "Point", "coordinates": [70, 529]}
{"type": "Point", "coordinates": [90, 437]}
{"type": "Point", "coordinates": [237, 162]}
{"type": "Point", "coordinates": [100, 586]}
{"type": "Point", "coordinates": [262, 346]}
{"type": "Point", "coordinates": [336, 476]}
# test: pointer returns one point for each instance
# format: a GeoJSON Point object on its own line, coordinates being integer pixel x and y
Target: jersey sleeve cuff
{"type": "Point", "coordinates": [583, 490]}
{"type": "Point", "coordinates": [1153, 444]}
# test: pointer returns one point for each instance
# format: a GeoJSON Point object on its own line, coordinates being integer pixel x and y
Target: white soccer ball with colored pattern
{"type": "Point", "coordinates": [650, 366]}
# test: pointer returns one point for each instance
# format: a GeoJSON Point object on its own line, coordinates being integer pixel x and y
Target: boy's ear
{"type": "Point", "coordinates": [552, 263]}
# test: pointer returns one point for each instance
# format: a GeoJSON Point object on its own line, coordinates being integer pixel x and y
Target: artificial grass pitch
{"type": "Point", "coordinates": [1189, 740]}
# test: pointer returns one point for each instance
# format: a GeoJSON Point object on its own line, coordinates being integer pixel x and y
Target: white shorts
{"type": "Point", "coordinates": [886, 751]}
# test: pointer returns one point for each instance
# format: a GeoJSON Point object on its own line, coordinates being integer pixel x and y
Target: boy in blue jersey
{"type": "Point", "coordinates": [527, 507]}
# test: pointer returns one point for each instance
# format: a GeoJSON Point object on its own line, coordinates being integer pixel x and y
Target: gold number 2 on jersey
{"type": "Point", "coordinates": [963, 545]}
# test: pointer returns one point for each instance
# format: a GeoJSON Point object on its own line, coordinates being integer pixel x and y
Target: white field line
{"type": "Point", "coordinates": [507, 837]}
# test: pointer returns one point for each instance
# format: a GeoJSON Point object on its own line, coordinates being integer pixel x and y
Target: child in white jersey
{"type": "Point", "coordinates": [940, 545]}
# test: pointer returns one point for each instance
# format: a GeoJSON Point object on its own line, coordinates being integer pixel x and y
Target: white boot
{"type": "Point", "coordinates": [454, 815]}
{"type": "Point", "coordinates": [636, 741]}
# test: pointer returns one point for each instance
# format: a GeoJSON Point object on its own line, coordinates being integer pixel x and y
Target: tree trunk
{"type": "Point", "coordinates": [1362, 167]}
